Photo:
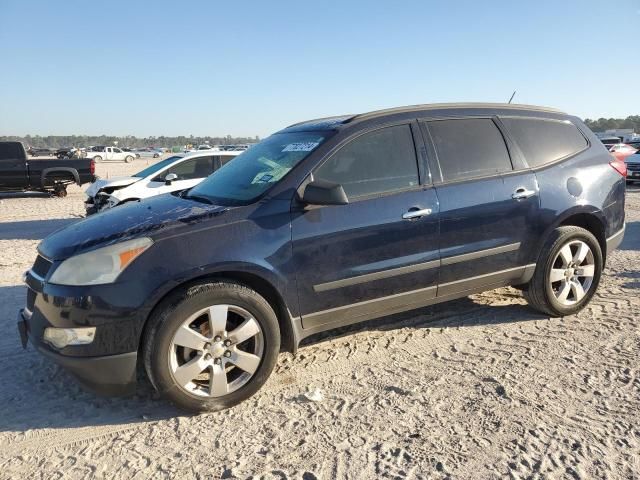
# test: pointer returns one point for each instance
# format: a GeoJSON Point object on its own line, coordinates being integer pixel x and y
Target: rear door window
{"type": "Point", "coordinates": [468, 148]}
{"type": "Point", "coordinates": [374, 163]}
{"type": "Point", "coordinates": [9, 151]}
{"type": "Point", "coordinates": [544, 141]}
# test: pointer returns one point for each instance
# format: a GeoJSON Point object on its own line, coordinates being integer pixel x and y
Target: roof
{"type": "Point", "coordinates": [332, 123]}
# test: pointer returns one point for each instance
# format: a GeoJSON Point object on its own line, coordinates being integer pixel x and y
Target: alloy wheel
{"type": "Point", "coordinates": [216, 351]}
{"type": "Point", "coordinates": [572, 272]}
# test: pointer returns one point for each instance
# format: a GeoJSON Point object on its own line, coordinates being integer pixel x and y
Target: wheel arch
{"type": "Point", "coordinates": [591, 219]}
{"type": "Point", "coordinates": [250, 279]}
{"type": "Point", "coordinates": [69, 175]}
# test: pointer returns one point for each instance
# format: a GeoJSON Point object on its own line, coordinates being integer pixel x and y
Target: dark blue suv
{"type": "Point", "coordinates": [326, 223]}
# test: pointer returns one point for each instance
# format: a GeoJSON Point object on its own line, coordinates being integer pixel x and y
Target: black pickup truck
{"type": "Point", "coordinates": [19, 173]}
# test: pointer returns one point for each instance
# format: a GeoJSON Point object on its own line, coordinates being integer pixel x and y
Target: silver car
{"type": "Point", "coordinates": [148, 152]}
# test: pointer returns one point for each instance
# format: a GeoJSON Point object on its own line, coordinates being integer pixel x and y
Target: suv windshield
{"type": "Point", "coordinates": [156, 167]}
{"type": "Point", "coordinates": [256, 170]}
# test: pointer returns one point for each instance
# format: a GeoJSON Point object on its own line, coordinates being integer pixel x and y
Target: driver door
{"type": "Point", "coordinates": [379, 253]}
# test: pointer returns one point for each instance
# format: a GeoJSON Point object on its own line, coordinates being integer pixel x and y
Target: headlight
{"type": "Point", "coordinates": [99, 266]}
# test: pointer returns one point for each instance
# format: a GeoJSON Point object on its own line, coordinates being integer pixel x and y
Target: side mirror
{"type": "Point", "coordinates": [170, 178]}
{"type": "Point", "coordinates": [321, 192]}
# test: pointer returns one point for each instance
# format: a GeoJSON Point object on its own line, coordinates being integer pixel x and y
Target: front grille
{"type": "Point", "coordinates": [633, 166]}
{"type": "Point", "coordinates": [41, 267]}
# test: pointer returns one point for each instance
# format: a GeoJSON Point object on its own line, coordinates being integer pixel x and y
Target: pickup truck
{"type": "Point", "coordinates": [19, 173]}
{"type": "Point", "coordinates": [110, 154]}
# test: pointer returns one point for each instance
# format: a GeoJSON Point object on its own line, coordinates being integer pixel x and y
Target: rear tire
{"type": "Point", "coordinates": [567, 274]}
{"type": "Point", "coordinates": [128, 159]}
{"type": "Point", "coordinates": [97, 158]}
{"type": "Point", "coordinates": [212, 345]}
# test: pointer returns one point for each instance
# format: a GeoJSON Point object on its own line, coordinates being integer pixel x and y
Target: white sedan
{"type": "Point", "coordinates": [169, 175]}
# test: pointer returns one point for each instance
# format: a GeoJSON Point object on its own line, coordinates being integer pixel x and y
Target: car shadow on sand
{"type": "Point", "coordinates": [33, 229]}
{"type": "Point", "coordinates": [631, 240]}
{"type": "Point", "coordinates": [38, 394]}
{"type": "Point", "coordinates": [454, 314]}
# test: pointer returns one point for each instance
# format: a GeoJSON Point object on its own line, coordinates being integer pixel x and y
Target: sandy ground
{"type": "Point", "coordinates": [477, 388]}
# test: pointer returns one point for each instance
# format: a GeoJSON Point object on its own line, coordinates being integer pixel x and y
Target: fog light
{"type": "Point", "coordinates": [61, 337]}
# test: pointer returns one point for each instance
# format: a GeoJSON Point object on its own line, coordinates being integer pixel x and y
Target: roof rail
{"type": "Point", "coordinates": [445, 106]}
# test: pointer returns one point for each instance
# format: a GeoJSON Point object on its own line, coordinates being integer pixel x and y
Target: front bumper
{"type": "Point", "coordinates": [104, 375]}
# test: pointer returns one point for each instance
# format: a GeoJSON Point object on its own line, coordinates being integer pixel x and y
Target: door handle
{"type": "Point", "coordinates": [416, 213]}
{"type": "Point", "coordinates": [521, 193]}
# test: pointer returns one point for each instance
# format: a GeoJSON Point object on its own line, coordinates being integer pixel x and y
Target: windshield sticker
{"type": "Point", "coordinates": [266, 178]}
{"type": "Point", "coordinates": [301, 147]}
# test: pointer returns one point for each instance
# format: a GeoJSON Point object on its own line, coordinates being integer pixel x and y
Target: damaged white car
{"type": "Point", "coordinates": [169, 175]}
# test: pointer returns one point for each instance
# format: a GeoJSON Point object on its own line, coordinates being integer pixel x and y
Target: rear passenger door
{"type": "Point", "coordinates": [488, 209]}
{"type": "Point", "coordinates": [378, 254]}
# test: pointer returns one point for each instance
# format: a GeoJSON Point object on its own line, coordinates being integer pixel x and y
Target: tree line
{"type": "Point", "coordinates": [58, 141]}
{"type": "Point", "coordinates": [602, 124]}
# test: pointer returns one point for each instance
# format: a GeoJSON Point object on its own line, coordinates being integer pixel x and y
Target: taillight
{"type": "Point", "coordinates": [92, 167]}
{"type": "Point", "coordinates": [619, 166]}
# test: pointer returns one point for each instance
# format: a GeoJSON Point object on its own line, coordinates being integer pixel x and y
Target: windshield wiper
{"type": "Point", "coordinates": [200, 198]}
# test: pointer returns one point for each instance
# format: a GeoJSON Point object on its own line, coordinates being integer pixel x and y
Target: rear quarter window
{"type": "Point", "coordinates": [545, 141]}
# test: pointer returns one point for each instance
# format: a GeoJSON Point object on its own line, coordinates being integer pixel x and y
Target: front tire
{"type": "Point", "coordinates": [60, 190]}
{"type": "Point", "coordinates": [211, 346]}
{"type": "Point", "coordinates": [567, 274]}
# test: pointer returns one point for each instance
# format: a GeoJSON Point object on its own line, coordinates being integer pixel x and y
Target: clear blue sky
{"type": "Point", "coordinates": [250, 68]}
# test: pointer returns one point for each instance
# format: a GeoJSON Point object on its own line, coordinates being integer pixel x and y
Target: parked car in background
{"type": "Point", "coordinates": [110, 154]}
{"type": "Point", "coordinates": [622, 150]}
{"type": "Point", "coordinates": [326, 223]}
{"type": "Point", "coordinates": [169, 175]}
{"type": "Point", "coordinates": [63, 152]}
{"type": "Point", "coordinates": [70, 152]}
{"type": "Point", "coordinates": [633, 167]}
{"type": "Point", "coordinates": [147, 153]}
{"type": "Point", "coordinates": [18, 173]}
{"type": "Point", "coordinates": [205, 147]}
{"type": "Point", "coordinates": [234, 148]}
{"type": "Point", "coordinates": [40, 152]}
{"type": "Point", "coordinates": [635, 145]}
{"type": "Point", "coordinates": [610, 140]}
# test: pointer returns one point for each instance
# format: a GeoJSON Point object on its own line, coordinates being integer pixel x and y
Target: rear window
{"type": "Point", "coordinates": [469, 148]}
{"type": "Point", "coordinates": [545, 141]}
{"type": "Point", "coordinates": [9, 150]}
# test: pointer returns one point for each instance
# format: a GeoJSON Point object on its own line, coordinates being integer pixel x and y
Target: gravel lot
{"type": "Point", "coordinates": [482, 387]}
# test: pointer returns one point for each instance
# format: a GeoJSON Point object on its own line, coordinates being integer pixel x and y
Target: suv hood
{"type": "Point", "coordinates": [150, 218]}
{"type": "Point", "coordinates": [118, 182]}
